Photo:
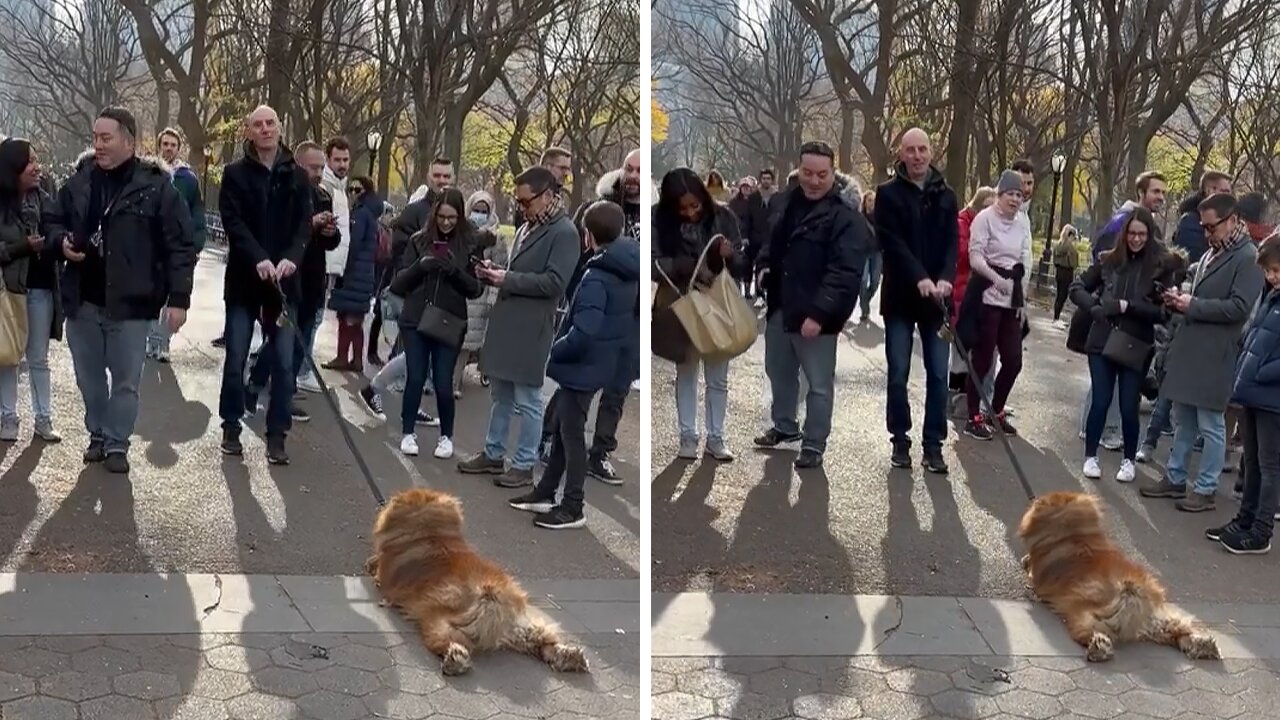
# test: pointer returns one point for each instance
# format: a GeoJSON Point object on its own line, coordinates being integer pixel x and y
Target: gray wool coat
{"type": "Point", "coordinates": [1201, 360]}
{"type": "Point", "coordinates": [517, 342]}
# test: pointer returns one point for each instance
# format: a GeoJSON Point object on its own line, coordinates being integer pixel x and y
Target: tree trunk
{"type": "Point", "coordinates": [963, 62]}
{"type": "Point", "coordinates": [848, 120]}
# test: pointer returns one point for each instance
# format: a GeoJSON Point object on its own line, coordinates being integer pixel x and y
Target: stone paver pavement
{"type": "Point", "coordinates": [1142, 682]}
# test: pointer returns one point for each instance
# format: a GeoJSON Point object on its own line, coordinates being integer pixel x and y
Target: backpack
{"type": "Point", "coordinates": [383, 255]}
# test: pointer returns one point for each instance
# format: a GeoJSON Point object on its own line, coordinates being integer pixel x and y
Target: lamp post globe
{"type": "Point", "coordinates": [374, 141]}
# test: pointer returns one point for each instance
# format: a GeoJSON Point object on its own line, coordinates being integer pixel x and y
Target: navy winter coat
{"type": "Point", "coordinates": [359, 281]}
{"type": "Point", "coordinates": [1257, 383]}
{"type": "Point", "coordinates": [599, 339]}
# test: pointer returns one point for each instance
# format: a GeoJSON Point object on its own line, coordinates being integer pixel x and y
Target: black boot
{"type": "Point", "coordinates": [275, 450]}
{"type": "Point", "coordinates": [231, 442]}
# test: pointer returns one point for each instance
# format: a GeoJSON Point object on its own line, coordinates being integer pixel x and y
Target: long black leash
{"type": "Point", "coordinates": [286, 318]}
{"type": "Point", "coordinates": [986, 391]}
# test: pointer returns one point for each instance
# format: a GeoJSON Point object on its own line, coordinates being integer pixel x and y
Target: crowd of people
{"type": "Point", "coordinates": [1191, 322]}
{"type": "Point", "coordinates": [115, 250]}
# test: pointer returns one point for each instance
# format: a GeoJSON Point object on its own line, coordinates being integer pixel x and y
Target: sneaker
{"type": "Point", "coordinates": [219, 342]}
{"type": "Point", "coordinates": [299, 413]}
{"type": "Point", "coordinates": [1145, 453]}
{"type": "Point", "coordinates": [514, 478]}
{"type": "Point", "coordinates": [1162, 488]}
{"type": "Point", "coordinates": [338, 365]}
{"type": "Point", "coordinates": [1195, 502]}
{"type": "Point", "coordinates": [977, 428]}
{"type": "Point", "coordinates": [116, 463]}
{"type": "Point", "coordinates": [1112, 442]}
{"type": "Point", "coordinates": [309, 383]}
{"type": "Point", "coordinates": [717, 450]}
{"type": "Point", "coordinates": [532, 502]}
{"type": "Point", "coordinates": [162, 356]}
{"type": "Point", "coordinates": [276, 454]}
{"type": "Point", "coordinates": [774, 437]}
{"type": "Point", "coordinates": [372, 402]}
{"type": "Point", "coordinates": [1232, 528]}
{"type": "Point", "coordinates": [425, 419]}
{"type": "Point", "coordinates": [482, 464]}
{"type": "Point", "coordinates": [231, 442]}
{"type": "Point", "coordinates": [688, 449]}
{"type": "Point", "coordinates": [1231, 462]}
{"type": "Point", "coordinates": [444, 448]}
{"type": "Point", "coordinates": [44, 431]}
{"type": "Point", "coordinates": [1002, 421]}
{"type": "Point", "coordinates": [409, 445]}
{"type": "Point", "coordinates": [808, 459]}
{"type": "Point", "coordinates": [635, 384]}
{"type": "Point", "coordinates": [601, 469]}
{"type": "Point", "coordinates": [96, 452]}
{"type": "Point", "coordinates": [933, 461]}
{"type": "Point", "coordinates": [1059, 324]}
{"type": "Point", "coordinates": [1246, 544]}
{"type": "Point", "coordinates": [1081, 435]}
{"type": "Point", "coordinates": [901, 457]}
{"type": "Point", "coordinates": [1091, 468]}
{"type": "Point", "coordinates": [1127, 472]}
{"type": "Point", "coordinates": [9, 431]}
{"type": "Point", "coordinates": [560, 518]}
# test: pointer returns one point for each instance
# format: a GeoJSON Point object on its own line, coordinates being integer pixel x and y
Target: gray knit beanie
{"type": "Point", "coordinates": [1010, 181]}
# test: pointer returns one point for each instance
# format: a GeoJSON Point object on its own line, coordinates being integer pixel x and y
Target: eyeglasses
{"type": "Point", "coordinates": [1213, 225]}
{"type": "Point", "coordinates": [524, 203]}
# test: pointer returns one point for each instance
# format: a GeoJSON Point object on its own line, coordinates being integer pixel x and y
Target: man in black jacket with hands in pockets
{"type": "Point", "coordinates": [265, 204]}
{"type": "Point", "coordinates": [811, 274]}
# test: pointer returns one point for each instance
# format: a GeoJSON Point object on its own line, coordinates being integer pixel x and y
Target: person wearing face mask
{"type": "Point", "coordinates": [29, 264]}
{"type": "Point", "coordinates": [1121, 295]}
{"type": "Point", "coordinates": [490, 246]}
{"type": "Point", "coordinates": [1200, 364]}
{"type": "Point", "coordinates": [354, 289]}
{"type": "Point", "coordinates": [992, 313]}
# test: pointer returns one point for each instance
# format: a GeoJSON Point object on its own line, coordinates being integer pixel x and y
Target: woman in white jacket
{"type": "Point", "coordinates": [484, 217]}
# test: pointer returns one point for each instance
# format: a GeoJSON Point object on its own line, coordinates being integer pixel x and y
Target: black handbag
{"type": "Point", "coordinates": [1126, 350]}
{"type": "Point", "coordinates": [441, 325]}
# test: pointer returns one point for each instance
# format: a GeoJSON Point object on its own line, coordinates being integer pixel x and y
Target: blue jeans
{"type": "Point", "coordinates": [1112, 422]}
{"type": "Point", "coordinates": [276, 351]}
{"type": "Point", "coordinates": [870, 280]}
{"type": "Point", "coordinates": [716, 373]}
{"type": "Point", "coordinates": [1161, 413]}
{"type": "Point", "coordinates": [261, 369]}
{"type": "Point", "coordinates": [39, 326]}
{"type": "Point", "coordinates": [100, 345]}
{"type": "Point", "coordinates": [1111, 381]}
{"type": "Point", "coordinates": [786, 355]}
{"type": "Point", "coordinates": [898, 347]}
{"type": "Point", "coordinates": [510, 399]}
{"type": "Point", "coordinates": [1189, 422]}
{"type": "Point", "coordinates": [425, 356]}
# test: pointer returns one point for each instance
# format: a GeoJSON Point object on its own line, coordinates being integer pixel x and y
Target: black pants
{"type": "Point", "coordinates": [1063, 278]}
{"type": "Point", "coordinates": [1260, 431]}
{"type": "Point", "coordinates": [568, 449]}
{"type": "Point", "coordinates": [375, 327]}
{"type": "Point", "coordinates": [608, 415]}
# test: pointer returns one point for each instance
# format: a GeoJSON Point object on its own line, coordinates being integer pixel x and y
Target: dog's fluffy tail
{"type": "Point", "coordinates": [1128, 611]}
{"type": "Point", "coordinates": [490, 617]}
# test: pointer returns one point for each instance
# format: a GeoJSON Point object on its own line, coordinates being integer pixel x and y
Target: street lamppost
{"type": "Point", "coordinates": [374, 140]}
{"type": "Point", "coordinates": [1057, 163]}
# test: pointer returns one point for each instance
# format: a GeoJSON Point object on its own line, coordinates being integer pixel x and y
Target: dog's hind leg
{"type": "Point", "coordinates": [1083, 629]}
{"type": "Point", "coordinates": [452, 647]}
{"type": "Point", "coordinates": [533, 637]}
{"type": "Point", "coordinates": [1174, 629]}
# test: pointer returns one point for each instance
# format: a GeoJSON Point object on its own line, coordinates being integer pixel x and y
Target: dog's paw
{"type": "Point", "coordinates": [371, 566]}
{"type": "Point", "coordinates": [1026, 563]}
{"type": "Point", "coordinates": [566, 658]}
{"type": "Point", "coordinates": [456, 660]}
{"type": "Point", "coordinates": [1201, 647]}
{"type": "Point", "coordinates": [1100, 648]}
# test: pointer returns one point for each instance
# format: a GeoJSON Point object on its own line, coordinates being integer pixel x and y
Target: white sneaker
{"type": "Point", "coordinates": [1059, 324]}
{"type": "Point", "coordinates": [1091, 468]}
{"type": "Point", "coordinates": [444, 448]}
{"type": "Point", "coordinates": [1126, 473]}
{"type": "Point", "coordinates": [409, 445]}
{"type": "Point", "coordinates": [635, 386]}
{"type": "Point", "coordinates": [308, 382]}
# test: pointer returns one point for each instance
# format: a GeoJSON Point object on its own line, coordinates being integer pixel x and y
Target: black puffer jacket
{"type": "Point", "coordinates": [312, 270]}
{"type": "Point", "coordinates": [919, 233]}
{"type": "Point", "coordinates": [148, 239]}
{"type": "Point", "coordinates": [266, 213]}
{"type": "Point", "coordinates": [815, 262]}
{"type": "Point", "coordinates": [446, 283]}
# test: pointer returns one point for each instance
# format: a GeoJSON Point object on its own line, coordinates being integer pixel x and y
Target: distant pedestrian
{"type": "Point", "coordinates": [188, 185]}
{"type": "Point", "coordinates": [1066, 261]}
{"type": "Point", "coordinates": [353, 291]}
{"type": "Point", "coordinates": [875, 261]}
{"type": "Point", "coordinates": [1189, 235]}
{"type": "Point", "coordinates": [916, 224]}
{"type": "Point", "coordinates": [123, 216]}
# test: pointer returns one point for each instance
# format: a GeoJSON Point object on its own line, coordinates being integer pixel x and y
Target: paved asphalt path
{"type": "Point", "coordinates": [189, 509]}
{"type": "Point", "coordinates": [862, 527]}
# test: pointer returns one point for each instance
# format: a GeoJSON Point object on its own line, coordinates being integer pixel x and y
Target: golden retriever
{"type": "Point", "coordinates": [1104, 597]}
{"type": "Point", "coordinates": [461, 602]}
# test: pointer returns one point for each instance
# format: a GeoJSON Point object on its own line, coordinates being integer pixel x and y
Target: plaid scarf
{"type": "Point", "coordinates": [554, 208]}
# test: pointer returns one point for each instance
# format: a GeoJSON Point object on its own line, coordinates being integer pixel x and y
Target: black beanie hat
{"type": "Point", "coordinates": [15, 156]}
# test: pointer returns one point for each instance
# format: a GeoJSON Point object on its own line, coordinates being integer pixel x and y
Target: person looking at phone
{"type": "Point", "coordinates": [266, 210]}
{"type": "Point", "coordinates": [29, 260]}
{"type": "Point", "coordinates": [812, 277]}
{"type": "Point", "coordinates": [118, 216]}
{"type": "Point", "coordinates": [686, 220]}
{"type": "Point", "coordinates": [325, 237]}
